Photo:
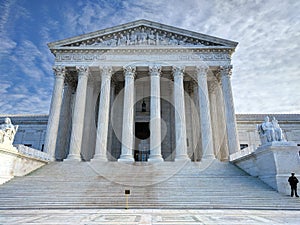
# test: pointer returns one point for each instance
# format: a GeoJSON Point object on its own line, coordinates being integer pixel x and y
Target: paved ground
{"type": "Point", "coordinates": [148, 216]}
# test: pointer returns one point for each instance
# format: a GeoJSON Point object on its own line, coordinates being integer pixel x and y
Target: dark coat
{"type": "Point", "coordinates": [293, 181]}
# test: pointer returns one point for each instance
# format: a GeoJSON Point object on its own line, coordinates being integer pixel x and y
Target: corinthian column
{"type": "Point", "coordinates": [55, 107]}
{"type": "Point", "coordinates": [155, 119]}
{"type": "Point", "coordinates": [205, 120]}
{"type": "Point", "coordinates": [78, 114]}
{"type": "Point", "coordinates": [103, 115]}
{"type": "Point", "coordinates": [180, 122]}
{"type": "Point", "coordinates": [128, 113]}
{"type": "Point", "coordinates": [233, 143]}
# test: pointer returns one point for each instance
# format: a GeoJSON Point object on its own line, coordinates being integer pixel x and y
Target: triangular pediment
{"type": "Point", "coordinates": [142, 33]}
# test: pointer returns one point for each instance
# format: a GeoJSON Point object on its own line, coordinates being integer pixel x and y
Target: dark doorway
{"type": "Point", "coordinates": [142, 132]}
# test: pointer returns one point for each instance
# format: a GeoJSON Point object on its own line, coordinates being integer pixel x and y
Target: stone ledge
{"type": "Point", "coordinates": [17, 163]}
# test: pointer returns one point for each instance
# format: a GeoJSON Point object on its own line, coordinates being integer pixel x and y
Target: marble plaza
{"type": "Point", "coordinates": [151, 217]}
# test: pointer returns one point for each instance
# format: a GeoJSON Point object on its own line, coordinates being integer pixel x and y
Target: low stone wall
{"type": "Point", "coordinates": [19, 161]}
{"type": "Point", "coordinates": [272, 163]}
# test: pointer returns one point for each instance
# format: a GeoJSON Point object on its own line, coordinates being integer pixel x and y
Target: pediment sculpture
{"type": "Point", "coordinates": [143, 36]}
{"type": "Point", "coordinates": [270, 131]}
{"type": "Point", "coordinates": [7, 132]}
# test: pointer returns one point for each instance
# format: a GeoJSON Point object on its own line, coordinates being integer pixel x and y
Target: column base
{"type": "Point", "coordinates": [155, 159]}
{"type": "Point", "coordinates": [182, 158]}
{"type": "Point", "coordinates": [52, 159]}
{"type": "Point", "coordinates": [73, 158]}
{"type": "Point", "coordinates": [126, 159]}
{"type": "Point", "coordinates": [210, 157]}
{"type": "Point", "coordinates": [99, 158]}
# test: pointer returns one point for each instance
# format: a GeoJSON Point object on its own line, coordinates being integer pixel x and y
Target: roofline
{"type": "Point", "coordinates": [140, 22]}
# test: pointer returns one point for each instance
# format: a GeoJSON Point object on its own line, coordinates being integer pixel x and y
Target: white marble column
{"type": "Point", "coordinates": [78, 114]}
{"type": "Point", "coordinates": [155, 117]}
{"type": "Point", "coordinates": [103, 115]}
{"type": "Point", "coordinates": [89, 122]}
{"type": "Point", "coordinates": [197, 132]}
{"type": "Point", "coordinates": [205, 121]}
{"type": "Point", "coordinates": [55, 108]}
{"type": "Point", "coordinates": [128, 114]}
{"type": "Point", "coordinates": [233, 143]}
{"type": "Point", "coordinates": [64, 121]}
{"type": "Point", "coordinates": [180, 121]}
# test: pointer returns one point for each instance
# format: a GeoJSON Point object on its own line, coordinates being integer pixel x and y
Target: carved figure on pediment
{"type": "Point", "coordinates": [173, 41]}
{"type": "Point", "coordinates": [163, 40]}
{"type": "Point", "coordinates": [122, 40]}
{"type": "Point", "coordinates": [142, 38]}
{"type": "Point", "coordinates": [183, 41]}
{"type": "Point", "coordinates": [133, 38]}
{"type": "Point", "coordinates": [151, 38]}
{"type": "Point", "coordinates": [7, 132]}
{"type": "Point", "coordinates": [105, 43]}
{"type": "Point", "coordinates": [113, 42]}
{"type": "Point", "coordinates": [99, 41]}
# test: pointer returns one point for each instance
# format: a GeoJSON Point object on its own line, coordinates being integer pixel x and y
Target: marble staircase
{"type": "Point", "coordinates": [168, 185]}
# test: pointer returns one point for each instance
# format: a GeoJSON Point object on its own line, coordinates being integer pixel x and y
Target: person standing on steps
{"type": "Point", "coordinates": [293, 183]}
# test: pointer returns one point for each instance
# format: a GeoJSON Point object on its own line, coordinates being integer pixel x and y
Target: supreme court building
{"type": "Point", "coordinates": [142, 91]}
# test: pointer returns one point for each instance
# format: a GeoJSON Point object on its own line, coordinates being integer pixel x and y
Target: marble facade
{"type": "Point", "coordinates": [103, 78]}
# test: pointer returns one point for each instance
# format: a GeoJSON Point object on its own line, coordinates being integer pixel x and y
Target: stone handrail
{"type": "Point", "coordinates": [246, 151]}
{"type": "Point", "coordinates": [32, 152]}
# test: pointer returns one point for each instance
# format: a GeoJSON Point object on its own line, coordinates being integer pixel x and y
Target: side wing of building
{"type": "Point", "coordinates": [31, 131]}
{"type": "Point", "coordinates": [32, 128]}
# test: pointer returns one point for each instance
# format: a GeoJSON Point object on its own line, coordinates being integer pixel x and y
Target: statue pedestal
{"type": "Point", "coordinates": [273, 164]}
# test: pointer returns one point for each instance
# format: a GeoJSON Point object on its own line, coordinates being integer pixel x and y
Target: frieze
{"type": "Point", "coordinates": [79, 57]}
{"type": "Point", "coordinates": [142, 36]}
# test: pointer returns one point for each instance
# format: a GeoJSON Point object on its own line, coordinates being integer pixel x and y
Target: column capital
{"type": "Point", "coordinates": [155, 70]}
{"type": "Point", "coordinates": [59, 71]}
{"type": "Point", "coordinates": [201, 70]}
{"type": "Point", "coordinates": [106, 72]}
{"type": "Point", "coordinates": [129, 71]}
{"type": "Point", "coordinates": [225, 70]}
{"type": "Point", "coordinates": [82, 70]}
{"type": "Point", "coordinates": [178, 71]}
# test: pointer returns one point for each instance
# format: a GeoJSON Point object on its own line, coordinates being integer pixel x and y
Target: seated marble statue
{"type": "Point", "coordinates": [7, 132]}
{"type": "Point", "coordinates": [270, 131]}
{"type": "Point", "coordinates": [277, 130]}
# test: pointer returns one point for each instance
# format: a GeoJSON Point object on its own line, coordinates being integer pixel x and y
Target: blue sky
{"type": "Point", "coordinates": [265, 78]}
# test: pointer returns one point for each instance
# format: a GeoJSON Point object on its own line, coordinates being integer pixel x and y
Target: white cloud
{"type": "Point", "coordinates": [265, 76]}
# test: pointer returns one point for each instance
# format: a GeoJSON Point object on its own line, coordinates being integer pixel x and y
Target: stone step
{"type": "Point", "coordinates": [168, 185]}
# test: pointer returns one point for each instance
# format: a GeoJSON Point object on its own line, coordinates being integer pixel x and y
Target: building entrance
{"type": "Point", "coordinates": [142, 133]}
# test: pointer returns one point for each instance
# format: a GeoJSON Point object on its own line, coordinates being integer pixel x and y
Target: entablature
{"type": "Point", "coordinates": [124, 56]}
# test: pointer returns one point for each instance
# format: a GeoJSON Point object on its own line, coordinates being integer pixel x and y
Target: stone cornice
{"type": "Point", "coordinates": [258, 118]}
{"type": "Point", "coordinates": [151, 49]}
